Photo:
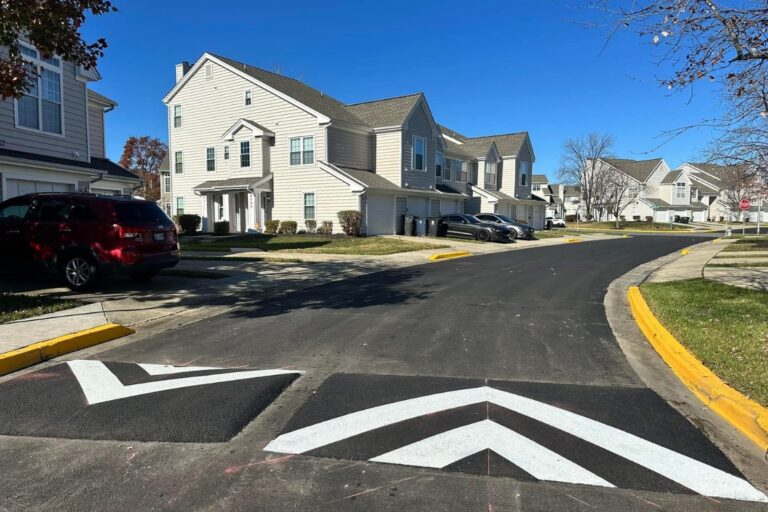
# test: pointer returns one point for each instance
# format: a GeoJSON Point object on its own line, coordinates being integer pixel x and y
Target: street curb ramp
{"type": "Point", "coordinates": [44, 350]}
{"type": "Point", "coordinates": [743, 413]}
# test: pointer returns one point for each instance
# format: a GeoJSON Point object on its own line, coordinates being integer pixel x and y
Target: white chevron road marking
{"type": "Point", "coordinates": [101, 385]}
{"type": "Point", "coordinates": [167, 369]}
{"type": "Point", "coordinates": [684, 470]}
{"type": "Point", "coordinates": [443, 449]}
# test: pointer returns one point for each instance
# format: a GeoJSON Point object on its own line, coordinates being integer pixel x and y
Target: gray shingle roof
{"type": "Point", "coordinates": [571, 191]}
{"type": "Point", "coordinates": [451, 133]}
{"type": "Point", "coordinates": [637, 169]}
{"type": "Point", "coordinates": [703, 187]}
{"type": "Point", "coordinates": [508, 144]}
{"type": "Point", "coordinates": [232, 183]}
{"type": "Point", "coordinates": [539, 179]}
{"type": "Point", "coordinates": [297, 90]}
{"type": "Point", "coordinates": [477, 148]}
{"type": "Point", "coordinates": [456, 150]}
{"type": "Point", "coordinates": [96, 164]}
{"type": "Point", "coordinates": [385, 112]}
{"type": "Point", "coordinates": [720, 171]}
{"type": "Point", "coordinates": [671, 177]}
{"type": "Point", "coordinates": [369, 179]}
{"type": "Point", "coordinates": [165, 164]}
{"type": "Point", "coordinates": [657, 202]}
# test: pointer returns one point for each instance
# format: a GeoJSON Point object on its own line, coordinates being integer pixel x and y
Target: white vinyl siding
{"type": "Point", "coordinates": [389, 156]}
{"type": "Point", "coordinates": [96, 130]}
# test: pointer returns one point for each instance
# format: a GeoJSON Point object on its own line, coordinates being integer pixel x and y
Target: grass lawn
{"type": "Point", "coordinates": [631, 226]}
{"type": "Point", "coordinates": [541, 235]}
{"type": "Point", "coordinates": [16, 307]}
{"type": "Point", "coordinates": [724, 326]}
{"type": "Point", "coordinates": [315, 244]}
{"type": "Point", "coordinates": [743, 264]}
{"type": "Point", "coordinates": [246, 258]}
{"type": "Point", "coordinates": [748, 243]}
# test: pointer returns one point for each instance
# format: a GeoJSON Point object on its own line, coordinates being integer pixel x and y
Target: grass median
{"type": "Point", "coordinates": [725, 327]}
{"type": "Point", "coordinates": [317, 244]}
{"type": "Point", "coordinates": [629, 226]}
{"type": "Point", "coordinates": [18, 307]}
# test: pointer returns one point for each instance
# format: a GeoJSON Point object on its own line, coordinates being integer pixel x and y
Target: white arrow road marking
{"type": "Point", "coordinates": [443, 449]}
{"type": "Point", "coordinates": [167, 369]}
{"type": "Point", "coordinates": [682, 469]}
{"type": "Point", "coordinates": [100, 385]}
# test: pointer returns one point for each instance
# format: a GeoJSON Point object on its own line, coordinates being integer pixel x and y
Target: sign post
{"type": "Point", "coordinates": [744, 206]}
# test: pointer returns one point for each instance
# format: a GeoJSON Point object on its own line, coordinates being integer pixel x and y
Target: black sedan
{"type": "Point", "coordinates": [517, 229]}
{"type": "Point", "coordinates": [468, 226]}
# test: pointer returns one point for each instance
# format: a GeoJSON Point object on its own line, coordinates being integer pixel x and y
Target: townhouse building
{"type": "Point", "coordinates": [52, 139]}
{"type": "Point", "coordinates": [711, 183]}
{"type": "Point", "coordinates": [247, 145]}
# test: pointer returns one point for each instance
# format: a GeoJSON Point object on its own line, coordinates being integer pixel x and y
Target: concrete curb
{"type": "Point", "coordinates": [743, 413]}
{"type": "Point", "coordinates": [44, 350]}
{"type": "Point", "coordinates": [449, 255]}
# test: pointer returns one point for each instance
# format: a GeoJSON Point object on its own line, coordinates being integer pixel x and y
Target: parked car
{"type": "Point", "coordinates": [469, 226]}
{"type": "Point", "coordinates": [555, 222]}
{"type": "Point", "coordinates": [516, 229]}
{"type": "Point", "coordinates": [86, 236]}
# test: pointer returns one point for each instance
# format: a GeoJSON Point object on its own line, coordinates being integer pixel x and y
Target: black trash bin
{"type": "Point", "coordinates": [677, 218]}
{"type": "Point", "coordinates": [433, 227]}
{"type": "Point", "coordinates": [421, 226]}
{"type": "Point", "coordinates": [410, 225]}
{"type": "Point", "coordinates": [549, 224]}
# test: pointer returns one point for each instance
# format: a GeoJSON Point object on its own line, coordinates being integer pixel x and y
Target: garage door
{"type": "Point", "coordinates": [380, 215]}
{"type": "Point", "coordinates": [21, 187]}
{"type": "Point", "coordinates": [700, 216]}
{"type": "Point", "coordinates": [434, 208]}
{"type": "Point", "coordinates": [401, 209]}
{"type": "Point", "coordinates": [538, 217]}
{"type": "Point", "coordinates": [449, 206]}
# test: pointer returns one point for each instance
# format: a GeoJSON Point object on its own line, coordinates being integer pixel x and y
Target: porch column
{"type": "Point", "coordinates": [227, 209]}
{"type": "Point", "coordinates": [204, 225]}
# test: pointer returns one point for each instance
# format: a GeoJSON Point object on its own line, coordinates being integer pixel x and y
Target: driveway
{"type": "Point", "coordinates": [485, 383]}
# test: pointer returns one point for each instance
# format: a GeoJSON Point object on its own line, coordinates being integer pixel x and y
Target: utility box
{"type": "Point", "coordinates": [421, 226]}
{"type": "Point", "coordinates": [410, 225]}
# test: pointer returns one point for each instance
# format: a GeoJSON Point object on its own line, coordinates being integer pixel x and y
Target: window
{"type": "Point", "coordinates": [210, 159]}
{"type": "Point", "coordinates": [309, 206]}
{"type": "Point", "coordinates": [248, 98]}
{"type": "Point", "coordinates": [536, 187]}
{"type": "Point", "coordinates": [180, 205]}
{"type": "Point", "coordinates": [302, 150]}
{"type": "Point", "coordinates": [448, 169]}
{"type": "Point", "coordinates": [208, 71]}
{"type": "Point", "coordinates": [178, 159]}
{"type": "Point", "coordinates": [680, 190]}
{"type": "Point", "coordinates": [490, 173]}
{"type": "Point", "coordinates": [245, 154]}
{"type": "Point", "coordinates": [167, 183]}
{"type": "Point", "coordinates": [176, 116]}
{"type": "Point", "coordinates": [226, 152]}
{"type": "Point", "coordinates": [525, 168]}
{"type": "Point", "coordinates": [40, 107]}
{"type": "Point", "coordinates": [461, 174]}
{"type": "Point", "coordinates": [438, 164]}
{"type": "Point", "coordinates": [418, 160]}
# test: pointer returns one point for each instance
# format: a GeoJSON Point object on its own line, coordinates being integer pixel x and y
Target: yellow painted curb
{"type": "Point", "coordinates": [743, 413]}
{"type": "Point", "coordinates": [716, 240]}
{"type": "Point", "coordinates": [573, 241]}
{"type": "Point", "coordinates": [684, 252]}
{"type": "Point", "coordinates": [449, 255]}
{"type": "Point", "coordinates": [44, 350]}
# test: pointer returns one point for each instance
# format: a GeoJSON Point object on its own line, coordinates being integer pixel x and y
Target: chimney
{"type": "Point", "coordinates": [181, 69]}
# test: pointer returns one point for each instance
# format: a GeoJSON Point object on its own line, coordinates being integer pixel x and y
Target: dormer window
{"type": "Point", "coordinates": [680, 191]}
{"type": "Point", "coordinates": [490, 173]}
{"type": "Point", "coordinates": [525, 168]}
{"type": "Point", "coordinates": [439, 162]}
{"type": "Point", "coordinates": [418, 154]}
{"type": "Point", "coordinates": [40, 107]}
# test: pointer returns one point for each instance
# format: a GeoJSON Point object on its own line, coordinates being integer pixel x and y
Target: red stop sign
{"type": "Point", "coordinates": [744, 204]}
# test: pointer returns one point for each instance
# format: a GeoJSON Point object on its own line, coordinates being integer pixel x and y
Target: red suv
{"type": "Point", "coordinates": [86, 236]}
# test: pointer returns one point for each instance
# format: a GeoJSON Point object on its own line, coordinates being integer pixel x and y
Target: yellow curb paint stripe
{"type": "Point", "coordinates": [449, 255]}
{"type": "Point", "coordinates": [743, 413]}
{"type": "Point", "coordinates": [44, 350]}
{"type": "Point", "coordinates": [684, 252]}
{"type": "Point", "coordinates": [573, 241]}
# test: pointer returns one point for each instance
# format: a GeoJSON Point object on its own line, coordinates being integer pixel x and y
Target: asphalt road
{"type": "Point", "coordinates": [486, 383]}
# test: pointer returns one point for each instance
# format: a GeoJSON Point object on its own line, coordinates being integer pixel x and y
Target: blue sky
{"type": "Point", "coordinates": [485, 67]}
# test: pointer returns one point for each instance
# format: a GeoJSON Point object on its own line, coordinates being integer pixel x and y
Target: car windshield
{"type": "Point", "coordinates": [505, 218]}
{"type": "Point", "coordinates": [472, 219]}
{"type": "Point", "coordinates": [140, 212]}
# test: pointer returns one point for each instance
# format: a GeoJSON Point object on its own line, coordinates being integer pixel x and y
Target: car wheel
{"type": "Point", "coordinates": [483, 235]}
{"type": "Point", "coordinates": [512, 234]}
{"type": "Point", "coordinates": [80, 272]}
{"type": "Point", "coordinates": [144, 276]}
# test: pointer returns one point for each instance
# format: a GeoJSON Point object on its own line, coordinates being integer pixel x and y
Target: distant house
{"type": "Point", "coordinates": [247, 145]}
{"type": "Point", "coordinates": [710, 184]}
{"type": "Point", "coordinates": [52, 139]}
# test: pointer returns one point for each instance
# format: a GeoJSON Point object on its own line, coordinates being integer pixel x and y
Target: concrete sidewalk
{"type": "Point", "coordinates": [691, 264]}
{"type": "Point", "coordinates": [20, 333]}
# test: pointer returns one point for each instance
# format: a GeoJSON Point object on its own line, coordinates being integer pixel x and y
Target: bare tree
{"type": "Point", "coordinates": [714, 42]}
{"type": "Point", "coordinates": [619, 191]}
{"type": "Point", "coordinates": [738, 182]}
{"type": "Point", "coordinates": [582, 164]}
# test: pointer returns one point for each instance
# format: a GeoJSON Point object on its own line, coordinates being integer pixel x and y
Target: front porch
{"type": "Point", "coordinates": [246, 203]}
